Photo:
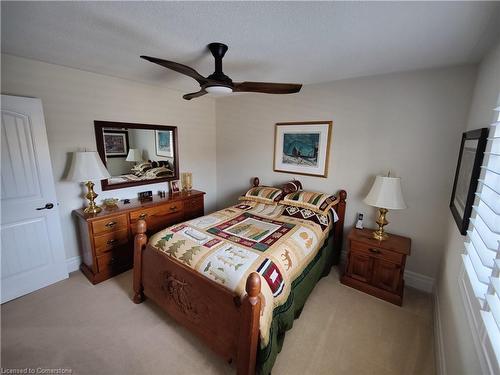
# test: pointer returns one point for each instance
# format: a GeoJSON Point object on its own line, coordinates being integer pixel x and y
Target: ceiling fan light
{"type": "Point", "coordinates": [219, 90]}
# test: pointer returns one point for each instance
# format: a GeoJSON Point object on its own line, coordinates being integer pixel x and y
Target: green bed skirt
{"type": "Point", "coordinates": [284, 315]}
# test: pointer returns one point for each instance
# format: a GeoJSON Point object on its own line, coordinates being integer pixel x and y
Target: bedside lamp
{"type": "Point", "coordinates": [134, 154]}
{"type": "Point", "coordinates": [87, 166]}
{"type": "Point", "coordinates": [385, 194]}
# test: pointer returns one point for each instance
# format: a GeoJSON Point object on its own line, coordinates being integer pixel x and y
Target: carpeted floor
{"type": "Point", "coordinates": [98, 330]}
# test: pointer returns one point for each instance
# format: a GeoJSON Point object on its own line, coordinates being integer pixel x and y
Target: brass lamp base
{"type": "Point", "coordinates": [379, 234]}
{"type": "Point", "coordinates": [92, 208]}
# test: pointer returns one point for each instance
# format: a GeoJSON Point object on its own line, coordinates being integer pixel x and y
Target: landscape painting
{"type": "Point", "coordinates": [164, 144]}
{"type": "Point", "coordinates": [302, 148]}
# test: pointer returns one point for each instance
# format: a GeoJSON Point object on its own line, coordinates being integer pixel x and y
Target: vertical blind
{"type": "Point", "coordinates": [482, 247]}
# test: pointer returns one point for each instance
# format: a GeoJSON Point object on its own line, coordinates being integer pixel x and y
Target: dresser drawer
{"type": "Point", "coordinates": [194, 204]}
{"type": "Point", "coordinates": [114, 260]}
{"type": "Point", "coordinates": [110, 224]}
{"type": "Point", "coordinates": [153, 213]}
{"type": "Point", "coordinates": [108, 241]}
{"type": "Point", "coordinates": [376, 251]}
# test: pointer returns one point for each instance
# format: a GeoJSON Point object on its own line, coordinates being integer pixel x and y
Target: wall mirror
{"type": "Point", "coordinates": [137, 154]}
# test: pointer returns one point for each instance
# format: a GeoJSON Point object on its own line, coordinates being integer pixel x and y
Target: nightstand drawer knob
{"type": "Point", "coordinates": [375, 251]}
{"type": "Point", "coordinates": [111, 224]}
{"type": "Point", "coordinates": [111, 242]}
{"type": "Point", "coordinates": [142, 216]}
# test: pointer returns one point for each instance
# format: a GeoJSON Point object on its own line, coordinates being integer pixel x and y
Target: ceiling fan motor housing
{"type": "Point", "coordinates": [218, 51]}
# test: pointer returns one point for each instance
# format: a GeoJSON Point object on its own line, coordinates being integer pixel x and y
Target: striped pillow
{"type": "Point", "coordinates": [263, 194]}
{"type": "Point", "coordinates": [317, 202]}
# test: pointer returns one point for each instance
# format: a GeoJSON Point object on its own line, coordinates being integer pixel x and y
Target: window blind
{"type": "Point", "coordinates": [482, 247]}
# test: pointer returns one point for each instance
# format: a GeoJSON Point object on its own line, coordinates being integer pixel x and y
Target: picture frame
{"type": "Point", "coordinates": [302, 147]}
{"type": "Point", "coordinates": [116, 143]}
{"type": "Point", "coordinates": [164, 143]}
{"type": "Point", "coordinates": [174, 186]}
{"type": "Point", "coordinates": [467, 174]}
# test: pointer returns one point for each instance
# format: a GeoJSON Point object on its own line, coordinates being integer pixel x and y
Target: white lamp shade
{"type": "Point", "coordinates": [386, 193]}
{"type": "Point", "coordinates": [87, 166]}
{"type": "Point", "coordinates": [134, 154]}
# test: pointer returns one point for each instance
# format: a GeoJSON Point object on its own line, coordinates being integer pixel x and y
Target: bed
{"type": "Point", "coordinates": [238, 277]}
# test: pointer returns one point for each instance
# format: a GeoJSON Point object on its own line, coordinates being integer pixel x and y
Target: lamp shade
{"type": "Point", "coordinates": [87, 166]}
{"type": "Point", "coordinates": [386, 193]}
{"type": "Point", "coordinates": [134, 154]}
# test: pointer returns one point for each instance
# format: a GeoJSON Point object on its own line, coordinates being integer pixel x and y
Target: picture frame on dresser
{"type": "Point", "coordinates": [470, 158]}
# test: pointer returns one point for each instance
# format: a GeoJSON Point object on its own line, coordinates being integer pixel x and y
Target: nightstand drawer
{"type": "Point", "coordinates": [376, 251]}
{"type": "Point", "coordinates": [109, 241]}
{"type": "Point", "coordinates": [109, 225]}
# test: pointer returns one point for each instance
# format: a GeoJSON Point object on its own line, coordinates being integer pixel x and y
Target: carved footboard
{"type": "Point", "coordinates": [227, 323]}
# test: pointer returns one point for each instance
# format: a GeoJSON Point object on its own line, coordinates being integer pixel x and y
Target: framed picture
{"type": "Point", "coordinates": [468, 170]}
{"type": "Point", "coordinates": [115, 143]}
{"type": "Point", "coordinates": [164, 143]}
{"type": "Point", "coordinates": [174, 186]}
{"type": "Point", "coordinates": [302, 147]}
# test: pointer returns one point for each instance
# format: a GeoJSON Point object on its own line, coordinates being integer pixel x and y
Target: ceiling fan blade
{"type": "Point", "coordinates": [267, 87]}
{"type": "Point", "coordinates": [195, 94]}
{"type": "Point", "coordinates": [179, 68]}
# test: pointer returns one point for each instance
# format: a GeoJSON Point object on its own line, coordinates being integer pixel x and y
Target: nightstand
{"type": "Point", "coordinates": [376, 267]}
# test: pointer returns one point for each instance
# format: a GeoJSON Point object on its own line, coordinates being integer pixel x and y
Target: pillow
{"type": "Point", "coordinates": [157, 173]}
{"type": "Point", "coordinates": [140, 169]}
{"type": "Point", "coordinates": [263, 194]}
{"type": "Point", "coordinates": [317, 202]}
{"type": "Point", "coordinates": [291, 187]}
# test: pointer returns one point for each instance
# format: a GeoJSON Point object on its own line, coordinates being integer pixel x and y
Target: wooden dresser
{"type": "Point", "coordinates": [107, 243]}
{"type": "Point", "coordinates": [376, 267]}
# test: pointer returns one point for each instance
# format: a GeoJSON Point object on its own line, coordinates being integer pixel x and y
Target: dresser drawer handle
{"type": "Point", "coordinates": [375, 251]}
{"type": "Point", "coordinates": [111, 242]}
{"type": "Point", "coordinates": [142, 216]}
{"type": "Point", "coordinates": [173, 208]}
{"type": "Point", "coordinates": [112, 261]}
{"type": "Point", "coordinates": [111, 224]}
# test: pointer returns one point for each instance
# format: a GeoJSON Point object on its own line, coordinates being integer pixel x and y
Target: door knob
{"type": "Point", "coordinates": [48, 206]}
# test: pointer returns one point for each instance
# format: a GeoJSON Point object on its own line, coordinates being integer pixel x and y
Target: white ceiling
{"type": "Point", "coordinates": [302, 42]}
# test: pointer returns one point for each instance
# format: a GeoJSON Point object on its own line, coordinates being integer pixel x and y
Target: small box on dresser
{"type": "Point", "coordinates": [107, 238]}
{"type": "Point", "coordinates": [376, 267]}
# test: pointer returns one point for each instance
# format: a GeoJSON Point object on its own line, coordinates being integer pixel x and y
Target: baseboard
{"type": "Point", "coordinates": [73, 264]}
{"type": "Point", "coordinates": [419, 281]}
{"type": "Point", "coordinates": [438, 338]}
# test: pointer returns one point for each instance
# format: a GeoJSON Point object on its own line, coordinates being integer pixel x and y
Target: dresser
{"type": "Point", "coordinates": [107, 238]}
{"type": "Point", "coordinates": [376, 267]}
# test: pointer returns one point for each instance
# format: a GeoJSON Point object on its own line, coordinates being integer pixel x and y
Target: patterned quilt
{"type": "Point", "coordinates": [226, 246]}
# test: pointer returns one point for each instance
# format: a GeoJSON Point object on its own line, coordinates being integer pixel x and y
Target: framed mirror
{"type": "Point", "coordinates": [137, 154]}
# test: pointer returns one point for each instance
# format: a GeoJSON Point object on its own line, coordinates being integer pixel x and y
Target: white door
{"type": "Point", "coordinates": [32, 253]}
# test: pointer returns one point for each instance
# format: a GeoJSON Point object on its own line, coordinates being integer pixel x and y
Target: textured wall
{"type": "Point", "coordinates": [72, 99]}
{"type": "Point", "coordinates": [409, 123]}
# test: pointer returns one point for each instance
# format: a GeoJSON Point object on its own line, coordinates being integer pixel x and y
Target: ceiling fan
{"type": "Point", "coordinates": [218, 82]}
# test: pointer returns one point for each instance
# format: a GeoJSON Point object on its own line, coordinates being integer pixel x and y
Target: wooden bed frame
{"type": "Point", "coordinates": [226, 322]}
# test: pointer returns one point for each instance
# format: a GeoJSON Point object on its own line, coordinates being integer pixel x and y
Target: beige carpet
{"type": "Point", "coordinates": [98, 330]}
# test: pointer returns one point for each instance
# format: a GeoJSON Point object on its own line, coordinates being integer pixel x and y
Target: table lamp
{"type": "Point", "coordinates": [134, 154]}
{"type": "Point", "coordinates": [386, 195]}
{"type": "Point", "coordinates": [87, 166]}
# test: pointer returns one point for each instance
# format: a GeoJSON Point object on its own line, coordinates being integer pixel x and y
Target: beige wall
{"type": "Point", "coordinates": [458, 349]}
{"type": "Point", "coordinates": [409, 123]}
{"type": "Point", "coordinates": [73, 99]}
